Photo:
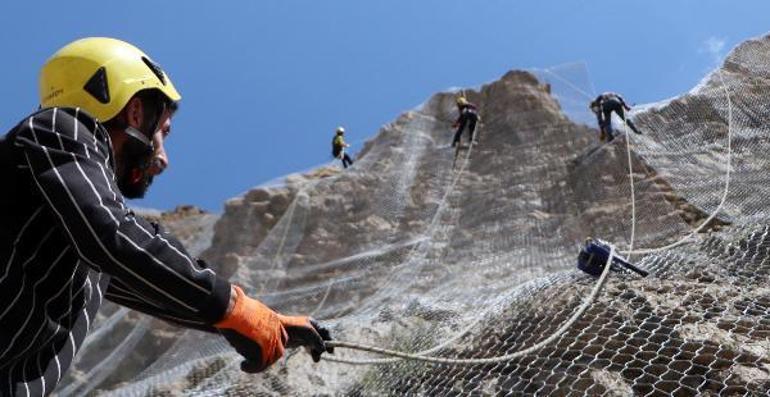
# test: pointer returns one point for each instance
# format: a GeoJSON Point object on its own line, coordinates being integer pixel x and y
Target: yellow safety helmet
{"type": "Point", "coordinates": [461, 101]}
{"type": "Point", "coordinates": [100, 75]}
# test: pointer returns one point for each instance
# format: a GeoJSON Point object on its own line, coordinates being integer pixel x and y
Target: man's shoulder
{"type": "Point", "coordinates": [70, 122]}
{"type": "Point", "coordinates": [67, 117]}
{"type": "Point", "coordinates": [69, 129]}
{"type": "Point", "coordinates": [610, 95]}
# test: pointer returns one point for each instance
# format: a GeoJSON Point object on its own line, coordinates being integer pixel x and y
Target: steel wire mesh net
{"type": "Point", "coordinates": [415, 251]}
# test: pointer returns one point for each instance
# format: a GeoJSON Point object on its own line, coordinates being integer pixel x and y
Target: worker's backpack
{"type": "Point", "coordinates": [336, 149]}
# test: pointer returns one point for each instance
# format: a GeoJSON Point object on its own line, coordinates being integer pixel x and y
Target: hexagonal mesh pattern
{"type": "Point", "coordinates": [409, 252]}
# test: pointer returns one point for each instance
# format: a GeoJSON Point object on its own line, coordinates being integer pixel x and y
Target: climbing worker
{"type": "Point", "coordinates": [68, 240]}
{"type": "Point", "coordinates": [468, 116]}
{"type": "Point", "coordinates": [338, 147]}
{"type": "Point", "coordinates": [603, 106]}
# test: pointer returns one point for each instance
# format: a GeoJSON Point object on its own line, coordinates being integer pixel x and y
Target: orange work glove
{"type": "Point", "coordinates": [259, 334]}
{"type": "Point", "coordinates": [304, 331]}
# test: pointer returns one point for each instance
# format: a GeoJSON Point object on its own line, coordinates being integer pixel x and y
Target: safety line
{"type": "Point", "coordinates": [433, 349]}
{"type": "Point", "coordinates": [442, 203]}
{"type": "Point", "coordinates": [573, 86]}
{"type": "Point", "coordinates": [631, 183]}
{"type": "Point", "coordinates": [421, 356]}
{"type": "Point", "coordinates": [724, 194]}
{"type": "Point", "coordinates": [589, 300]}
{"type": "Point", "coordinates": [478, 361]}
{"type": "Point", "coordinates": [428, 233]}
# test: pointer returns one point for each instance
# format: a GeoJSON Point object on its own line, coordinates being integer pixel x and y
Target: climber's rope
{"type": "Point", "coordinates": [565, 81]}
{"type": "Point", "coordinates": [597, 288]}
{"type": "Point", "coordinates": [433, 349]}
{"type": "Point", "coordinates": [444, 199]}
{"type": "Point", "coordinates": [439, 210]}
{"type": "Point", "coordinates": [724, 194]}
{"type": "Point", "coordinates": [631, 183]}
{"type": "Point", "coordinates": [477, 361]}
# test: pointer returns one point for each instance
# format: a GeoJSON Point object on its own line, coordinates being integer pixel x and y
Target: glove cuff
{"type": "Point", "coordinates": [246, 313]}
{"type": "Point", "coordinates": [294, 321]}
{"type": "Point", "coordinates": [257, 322]}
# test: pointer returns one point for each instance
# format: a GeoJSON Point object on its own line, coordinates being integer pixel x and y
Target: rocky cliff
{"type": "Point", "coordinates": [471, 254]}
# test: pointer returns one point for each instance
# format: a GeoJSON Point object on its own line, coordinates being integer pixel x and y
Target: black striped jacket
{"type": "Point", "coordinates": [67, 241]}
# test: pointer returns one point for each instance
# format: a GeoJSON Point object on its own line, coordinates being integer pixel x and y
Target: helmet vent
{"type": "Point", "coordinates": [97, 86]}
{"type": "Point", "coordinates": [155, 69]}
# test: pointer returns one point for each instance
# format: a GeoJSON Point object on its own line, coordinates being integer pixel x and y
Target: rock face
{"type": "Point", "coordinates": [471, 253]}
{"type": "Point", "coordinates": [689, 136]}
{"type": "Point", "coordinates": [246, 222]}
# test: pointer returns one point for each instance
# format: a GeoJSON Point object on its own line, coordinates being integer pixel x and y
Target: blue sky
{"type": "Point", "coordinates": [264, 83]}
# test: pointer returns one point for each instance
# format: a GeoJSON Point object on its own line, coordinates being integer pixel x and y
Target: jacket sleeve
{"type": "Point", "coordinates": [122, 294]}
{"type": "Point", "coordinates": [623, 102]}
{"type": "Point", "coordinates": [70, 160]}
{"type": "Point", "coordinates": [599, 111]}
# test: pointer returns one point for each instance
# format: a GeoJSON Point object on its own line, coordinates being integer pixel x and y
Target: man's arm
{"type": "Point", "coordinates": [623, 102]}
{"type": "Point", "coordinates": [122, 294]}
{"type": "Point", "coordinates": [596, 108]}
{"type": "Point", "coordinates": [71, 167]}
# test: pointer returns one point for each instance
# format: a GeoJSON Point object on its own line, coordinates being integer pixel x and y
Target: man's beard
{"type": "Point", "coordinates": [134, 178]}
{"type": "Point", "coordinates": [133, 188]}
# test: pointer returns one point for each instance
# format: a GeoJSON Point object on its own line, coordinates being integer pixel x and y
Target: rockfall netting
{"type": "Point", "coordinates": [412, 251]}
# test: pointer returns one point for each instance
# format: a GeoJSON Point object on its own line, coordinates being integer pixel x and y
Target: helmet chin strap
{"type": "Point", "coordinates": [133, 132]}
{"type": "Point", "coordinates": [136, 174]}
{"type": "Point", "coordinates": [137, 134]}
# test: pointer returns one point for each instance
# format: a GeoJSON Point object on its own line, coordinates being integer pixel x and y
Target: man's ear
{"type": "Point", "coordinates": [134, 112]}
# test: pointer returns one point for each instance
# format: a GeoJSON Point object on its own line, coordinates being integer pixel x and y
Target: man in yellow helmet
{"type": "Point", "coordinates": [468, 115]}
{"type": "Point", "coordinates": [68, 240]}
{"type": "Point", "coordinates": [338, 147]}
